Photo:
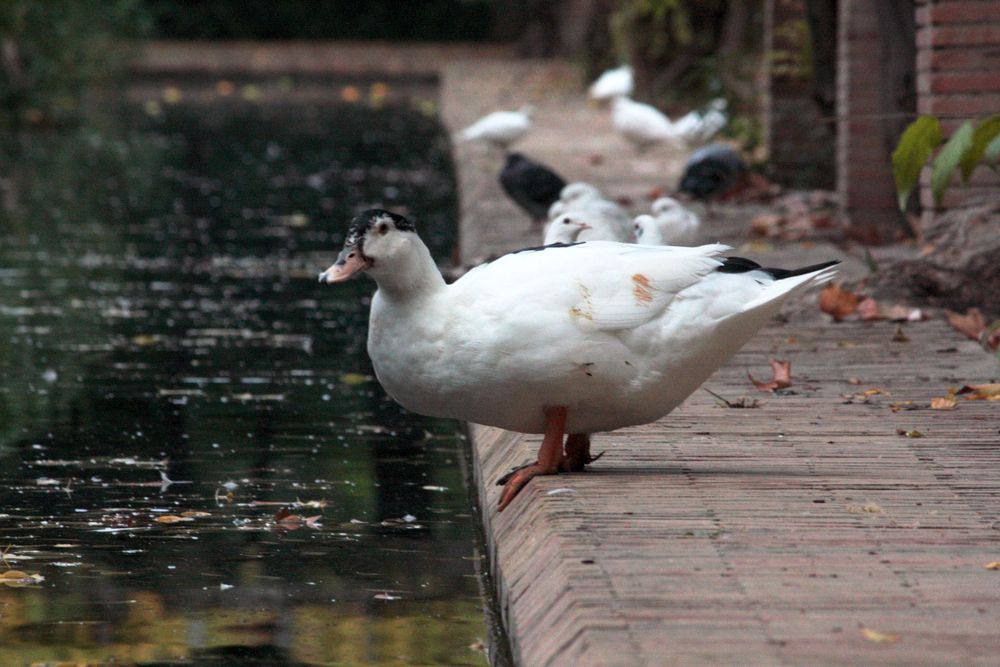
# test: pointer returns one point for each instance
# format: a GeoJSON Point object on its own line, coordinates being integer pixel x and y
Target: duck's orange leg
{"type": "Point", "coordinates": [549, 456]}
{"type": "Point", "coordinates": [577, 453]}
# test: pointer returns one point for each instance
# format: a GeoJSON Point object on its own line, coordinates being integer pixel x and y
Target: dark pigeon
{"type": "Point", "coordinates": [532, 186]}
{"type": "Point", "coordinates": [711, 171]}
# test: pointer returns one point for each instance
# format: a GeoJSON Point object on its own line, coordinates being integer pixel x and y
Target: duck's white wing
{"type": "Point", "coordinates": [602, 286]}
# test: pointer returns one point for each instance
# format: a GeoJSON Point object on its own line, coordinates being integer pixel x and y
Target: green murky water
{"type": "Point", "coordinates": [195, 462]}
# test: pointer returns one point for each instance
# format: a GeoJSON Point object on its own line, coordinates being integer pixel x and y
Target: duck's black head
{"type": "Point", "coordinates": [367, 220]}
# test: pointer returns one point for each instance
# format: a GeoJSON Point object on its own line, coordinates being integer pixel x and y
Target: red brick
{"type": "Point", "coordinates": [960, 105]}
{"type": "Point", "coordinates": [966, 35]}
{"type": "Point", "coordinates": [961, 59]}
{"type": "Point", "coordinates": [948, 82]}
{"type": "Point", "coordinates": [962, 12]}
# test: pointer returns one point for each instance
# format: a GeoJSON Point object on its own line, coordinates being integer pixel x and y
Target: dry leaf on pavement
{"type": "Point", "coordinates": [878, 637]}
{"type": "Point", "coordinates": [838, 302]}
{"type": "Point", "coordinates": [971, 324]}
{"type": "Point", "coordinates": [981, 392]}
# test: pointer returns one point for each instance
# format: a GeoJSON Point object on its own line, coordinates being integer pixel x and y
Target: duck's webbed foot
{"type": "Point", "coordinates": [549, 456]}
{"type": "Point", "coordinates": [577, 453]}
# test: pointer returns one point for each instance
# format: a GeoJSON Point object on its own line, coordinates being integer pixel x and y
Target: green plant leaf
{"type": "Point", "coordinates": [916, 144]}
{"type": "Point", "coordinates": [992, 153]}
{"type": "Point", "coordinates": [947, 160]}
{"type": "Point", "coordinates": [986, 132]}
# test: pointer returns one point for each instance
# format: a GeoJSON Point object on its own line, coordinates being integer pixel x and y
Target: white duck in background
{"type": "Point", "coordinates": [500, 128]}
{"type": "Point", "coordinates": [642, 124]}
{"type": "Point", "coordinates": [613, 83]}
{"type": "Point", "coordinates": [565, 339]}
{"type": "Point", "coordinates": [670, 224]}
{"type": "Point", "coordinates": [564, 229]}
{"type": "Point", "coordinates": [606, 220]}
{"type": "Point", "coordinates": [696, 128]}
{"type": "Point", "coordinates": [574, 194]}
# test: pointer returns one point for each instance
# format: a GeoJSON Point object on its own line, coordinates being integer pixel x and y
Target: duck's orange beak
{"type": "Point", "coordinates": [350, 262]}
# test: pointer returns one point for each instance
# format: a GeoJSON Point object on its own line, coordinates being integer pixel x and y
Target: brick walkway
{"type": "Point", "coordinates": [775, 535]}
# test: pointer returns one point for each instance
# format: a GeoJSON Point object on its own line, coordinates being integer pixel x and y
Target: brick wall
{"type": "Point", "coordinates": [864, 172]}
{"type": "Point", "coordinates": [799, 140]}
{"type": "Point", "coordinates": [958, 77]}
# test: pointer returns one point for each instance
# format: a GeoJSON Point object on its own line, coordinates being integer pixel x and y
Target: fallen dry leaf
{"type": "Point", "coordinates": [868, 309]}
{"type": "Point", "coordinates": [744, 402]}
{"type": "Point", "coordinates": [994, 565]}
{"type": "Point", "coordinates": [352, 379]}
{"type": "Point", "coordinates": [878, 637]}
{"type": "Point", "coordinates": [838, 302]}
{"type": "Point", "coordinates": [782, 376]}
{"type": "Point", "coordinates": [18, 579]}
{"type": "Point", "coordinates": [972, 324]}
{"type": "Point", "coordinates": [981, 392]}
{"type": "Point", "coordinates": [943, 403]}
{"type": "Point", "coordinates": [287, 521]}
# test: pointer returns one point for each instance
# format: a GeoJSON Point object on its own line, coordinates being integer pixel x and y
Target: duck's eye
{"type": "Point", "coordinates": [567, 221]}
{"type": "Point", "coordinates": [382, 227]}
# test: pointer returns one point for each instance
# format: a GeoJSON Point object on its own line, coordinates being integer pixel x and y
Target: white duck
{"type": "Point", "coordinates": [574, 194]}
{"type": "Point", "coordinates": [564, 339]}
{"type": "Point", "coordinates": [612, 83]}
{"type": "Point", "coordinates": [696, 127]}
{"type": "Point", "coordinates": [606, 220]}
{"type": "Point", "coordinates": [641, 124]}
{"type": "Point", "coordinates": [500, 128]}
{"type": "Point", "coordinates": [670, 224]}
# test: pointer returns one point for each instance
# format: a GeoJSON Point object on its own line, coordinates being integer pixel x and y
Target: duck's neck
{"type": "Point", "coordinates": [412, 275]}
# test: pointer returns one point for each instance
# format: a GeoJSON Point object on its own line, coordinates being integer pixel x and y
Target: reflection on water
{"type": "Point", "coordinates": [193, 452]}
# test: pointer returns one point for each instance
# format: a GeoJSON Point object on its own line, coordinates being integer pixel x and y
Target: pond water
{"type": "Point", "coordinates": [196, 463]}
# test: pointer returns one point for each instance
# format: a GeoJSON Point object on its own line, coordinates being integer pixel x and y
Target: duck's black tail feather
{"type": "Point", "coordinates": [742, 265]}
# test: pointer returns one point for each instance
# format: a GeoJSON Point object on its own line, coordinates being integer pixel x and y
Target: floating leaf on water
{"type": "Point", "coordinates": [194, 514]}
{"type": "Point", "coordinates": [172, 95]}
{"type": "Point", "coordinates": [171, 518]}
{"type": "Point", "coordinates": [251, 93]}
{"type": "Point", "coordinates": [993, 565]}
{"type": "Point", "coordinates": [350, 94]}
{"type": "Point", "coordinates": [17, 578]}
{"type": "Point", "coordinates": [912, 433]}
{"type": "Point", "coordinates": [899, 336]}
{"type": "Point", "coordinates": [943, 403]}
{"type": "Point", "coordinates": [352, 379]}
{"type": "Point", "coordinates": [143, 340]}
{"type": "Point", "coordinates": [878, 637]}
{"type": "Point", "coordinates": [224, 87]}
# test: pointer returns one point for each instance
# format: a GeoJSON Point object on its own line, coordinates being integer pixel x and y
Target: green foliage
{"type": "Point", "coordinates": [916, 145]}
{"type": "Point", "coordinates": [947, 160]}
{"type": "Point", "coordinates": [969, 146]}
{"type": "Point", "coordinates": [985, 144]}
